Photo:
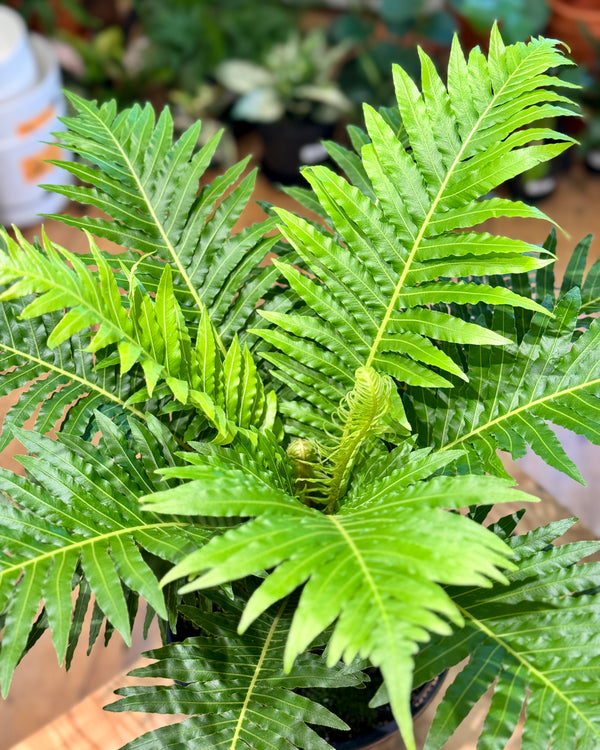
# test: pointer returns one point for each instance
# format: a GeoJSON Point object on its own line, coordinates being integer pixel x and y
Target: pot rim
{"type": "Point", "coordinates": [573, 11]}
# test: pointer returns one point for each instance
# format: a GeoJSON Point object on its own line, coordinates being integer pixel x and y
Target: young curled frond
{"type": "Point", "coordinates": [323, 470]}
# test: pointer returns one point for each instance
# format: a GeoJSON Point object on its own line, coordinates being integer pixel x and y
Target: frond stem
{"type": "Point", "coordinates": [255, 676]}
{"type": "Point", "coordinates": [20, 566]}
{"type": "Point", "coordinates": [399, 286]}
{"type": "Point", "coordinates": [109, 395]}
{"type": "Point", "coordinates": [521, 409]}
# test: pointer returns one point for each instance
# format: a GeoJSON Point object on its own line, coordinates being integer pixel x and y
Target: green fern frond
{"type": "Point", "coordinates": [392, 598]}
{"type": "Point", "coordinates": [94, 301]}
{"type": "Point", "coordinates": [575, 274]}
{"type": "Point", "coordinates": [150, 188]}
{"type": "Point", "coordinates": [75, 522]}
{"type": "Point", "coordinates": [56, 384]}
{"type": "Point", "coordinates": [225, 388]}
{"type": "Point", "coordinates": [246, 674]}
{"type": "Point", "coordinates": [551, 377]}
{"type": "Point", "coordinates": [394, 252]}
{"type": "Point", "coordinates": [535, 643]}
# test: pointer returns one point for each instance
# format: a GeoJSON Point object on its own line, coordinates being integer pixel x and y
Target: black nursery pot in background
{"type": "Point", "coordinates": [291, 144]}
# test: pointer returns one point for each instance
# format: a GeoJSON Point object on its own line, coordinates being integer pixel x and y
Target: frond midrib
{"type": "Point", "coordinates": [80, 544]}
{"type": "Point", "coordinates": [520, 410]}
{"type": "Point", "coordinates": [146, 199]}
{"type": "Point", "coordinates": [400, 285]}
{"type": "Point", "coordinates": [366, 572]}
{"type": "Point", "coordinates": [109, 395]}
{"type": "Point", "coordinates": [589, 303]}
{"type": "Point", "coordinates": [255, 676]}
{"type": "Point", "coordinates": [528, 666]}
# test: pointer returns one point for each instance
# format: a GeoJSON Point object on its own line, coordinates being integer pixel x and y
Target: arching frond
{"type": "Point", "coordinates": [75, 522]}
{"type": "Point", "coordinates": [535, 643]}
{"type": "Point", "coordinates": [55, 385]}
{"type": "Point", "coordinates": [150, 188]}
{"type": "Point", "coordinates": [551, 377]}
{"type": "Point", "coordinates": [383, 281]}
{"type": "Point", "coordinates": [246, 674]}
{"type": "Point", "coordinates": [391, 597]}
{"type": "Point", "coordinates": [148, 331]}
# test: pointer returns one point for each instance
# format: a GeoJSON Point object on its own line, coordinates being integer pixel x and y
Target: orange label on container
{"type": "Point", "coordinates": [27, 127]}
{"type": "Point", "coordinates": [34, 167]}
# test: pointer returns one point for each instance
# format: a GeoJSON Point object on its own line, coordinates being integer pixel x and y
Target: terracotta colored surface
{"type": "Point", "coordinates": [88, 726]}
{"type": "Point", "coordinates": [577, 23]}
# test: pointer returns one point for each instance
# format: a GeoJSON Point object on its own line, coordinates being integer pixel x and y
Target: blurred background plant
{"type": "Point", "coordinates": [518, 19]}
{"type": "Point", "coordinates": [267, 61]}
{"type": "Point", "coordinates": [386, 32]}
{"type": "Point", "coordinates": [187, 39]}
{"type": "Point", "coordinates": [54, 16]}
{"type": "Point", "coordinates": [296, 79]}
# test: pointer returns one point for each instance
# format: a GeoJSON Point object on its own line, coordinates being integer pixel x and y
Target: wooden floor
{"type": "Point", "coordinates": [41, 691]}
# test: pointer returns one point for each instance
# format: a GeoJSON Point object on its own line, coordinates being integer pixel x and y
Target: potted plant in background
{"type": "Point", "coordinates": [577, 23]}
{"type": "Point", "coordinates": [293, 97]}
{"type": "Point", "coordinates": [384, 34]}
{"type": "Point", "coordinates": [282, 449]}
{"type": "Point", "coordinates": [189, 38]}
{"type": "Point", "coordinates": [49, 16]}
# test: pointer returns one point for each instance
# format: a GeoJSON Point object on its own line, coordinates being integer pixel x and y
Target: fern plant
{"type": "Point", "coordinates": [297, 458]}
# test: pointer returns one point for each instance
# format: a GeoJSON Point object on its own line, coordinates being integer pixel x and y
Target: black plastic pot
{"type": "Point", "coordinates": [420, 698]}
{"type": "Point", "coordinates": [367, 741]}
{"type": "Point", "coordinates": [291, 144]}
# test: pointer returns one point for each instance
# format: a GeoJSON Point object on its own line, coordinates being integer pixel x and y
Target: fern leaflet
{"type": "Point", "coordinates": [385, 277]}
{"type": "Point", "coordinates": [522, 640]}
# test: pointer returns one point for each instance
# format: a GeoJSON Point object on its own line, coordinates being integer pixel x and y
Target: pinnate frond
{"type": "Point", "coordinates": [534, 642]}
{"type": "Point", "coordinates": [75, 521]}
{"type": "Point", "coordinates": [224, 387]}
{"type": "Point", "coordinates": [394, 253]}
{"type": "Point", "coordinates": [56, 384]}
{"type": "Point", "coordinates": [150, 188]}
{"type": "Point", "coordinates": [392, 596]}
{"type": "Point", "coordinates": [234, 688]}
{"type": "Point", "coordinates": [551, 377]}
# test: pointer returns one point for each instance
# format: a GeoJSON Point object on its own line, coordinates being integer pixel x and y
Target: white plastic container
{"type": "Point", "coordinates": [31, 101]}
{"type": "Point", "coordinates": [17, 61]}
